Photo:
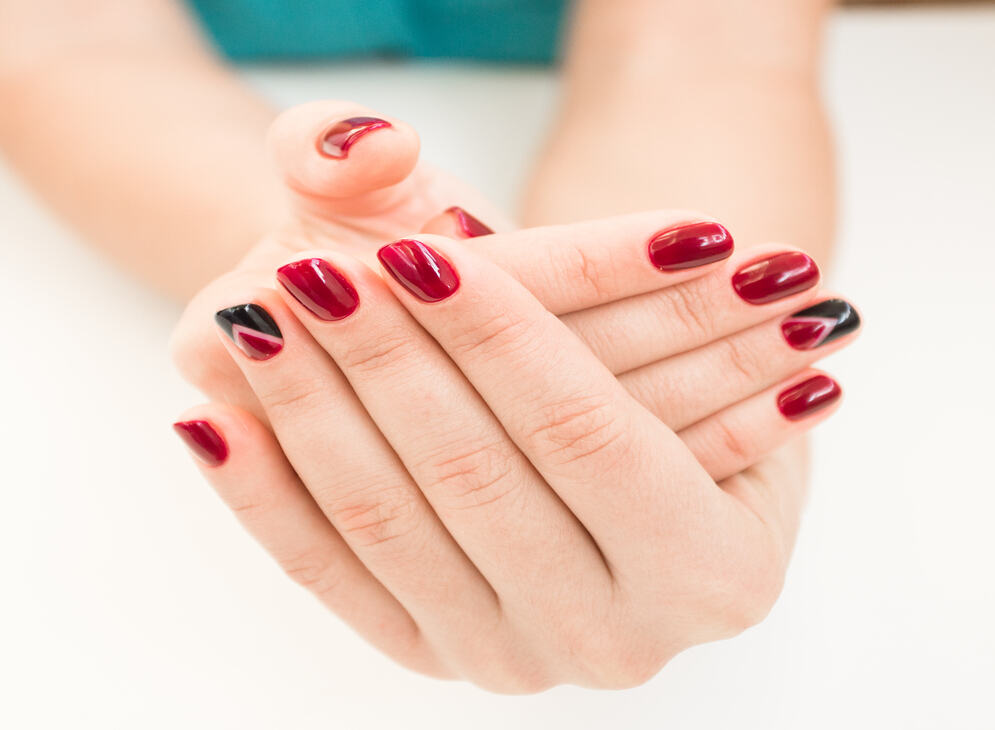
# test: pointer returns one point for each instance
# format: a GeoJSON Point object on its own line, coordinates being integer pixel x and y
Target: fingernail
{"type": "Point", "coordinates": [203, 440]}
{"type": "Point", "coordinates": [820, 324]}
{"type": "Point", "coordinates": [325, 292]}
{"type": "Point", "coordinates": [776, 277]}
{"type": "Point", "coordinates": [338, 138]}
{"type": "Point", "coordinates": [808, 397]}
{"type": "Point", "coordinates": [419, 269]}
{"type": "Point", "coordinates": [685, 247]}
{"type": "Point", "coordinates": [468, 224]}
{"type": "Point", "coordinates": [252, 329]}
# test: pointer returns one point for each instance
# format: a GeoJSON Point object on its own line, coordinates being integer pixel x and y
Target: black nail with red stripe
{"type": "Point", "coordinates": [252, 329]}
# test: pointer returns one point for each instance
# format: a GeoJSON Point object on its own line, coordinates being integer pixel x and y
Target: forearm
{"type": "Point", "coordinates": [711, 106]}
{"type": "Point", "coordinates": [134, 134]}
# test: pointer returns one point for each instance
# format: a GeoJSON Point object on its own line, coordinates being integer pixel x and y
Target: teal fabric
{"type": "Point", "coordinates": [491, 30]}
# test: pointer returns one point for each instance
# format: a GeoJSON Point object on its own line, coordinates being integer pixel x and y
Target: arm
{"type": "Point", "coordinates": [708, 105]}
{"type": "Point", "coordinates": [120, 118]}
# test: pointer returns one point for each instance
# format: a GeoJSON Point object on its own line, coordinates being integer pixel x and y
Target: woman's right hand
{"type": "Point", "coordinates": [704, 562]}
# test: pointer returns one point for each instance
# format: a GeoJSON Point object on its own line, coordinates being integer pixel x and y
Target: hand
{"type": "Point", "coordinates": [482, 497]}
{"type": "Point", "coordinates": [353, 180]}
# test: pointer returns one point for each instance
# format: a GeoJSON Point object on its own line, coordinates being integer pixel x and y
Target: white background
{"type": "Point", "coordinates": [132, 599]}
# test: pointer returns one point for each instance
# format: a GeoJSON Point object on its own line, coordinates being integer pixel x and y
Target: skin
{"type": "Point", "coordinates": [483, 498]}
{"type": "Point", "coordinates": [208, 200]}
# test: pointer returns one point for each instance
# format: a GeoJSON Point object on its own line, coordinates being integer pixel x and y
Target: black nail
{"type": "Point", "coordinates": [820, 324]}
{"type": "Point", "coordinates": [252, 329]}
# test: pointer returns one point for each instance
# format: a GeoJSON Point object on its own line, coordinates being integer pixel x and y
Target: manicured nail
{"type": "Point", "coordinates": [203, 440]}
{"type": "Point", "coordinates": [326, 292]}
{"type": "Point", "coordinates": [419, 269]}
{"type": "Point", "coordinates": [776, 277]}
{"type": "Point", "coordinates": [468, 224]}
{"type": "Point", "coordinates": [251, 328]}
{"type": "Point", "coordinates": [338, 138]}
{"type": "Point", "coordinates": [807, 397]}
{"type": "Point", "coordinates": [695, 244]}
{"type": "Point", "coordinates": [820, 324]}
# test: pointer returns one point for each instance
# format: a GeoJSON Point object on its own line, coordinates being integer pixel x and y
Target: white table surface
{"type": "Point", "coordinates": [132, 599]}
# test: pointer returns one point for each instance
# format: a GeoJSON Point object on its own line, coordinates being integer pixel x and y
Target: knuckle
{"type": "Point", "coordinates": [590, 278]}
{"type": "Point", "coordinates": [581, 429]}
{"type": "Point", "coordinates": [294, 398]}
{"type": "Point", "coordinates": [476, 476]}
{"type": "Point", "coordinates": [733, 441]}
{"type": "Point", "coordinates": [249, 510]}
{"type": "Point", "coordinates": [745, 361]}
{"type": "Point", "coordinates": [509, 671]}
{"type": "Point", "coordinates": [743, 594]}
{"type": "Point", "coordinates": [506, 667]}
{"type": "Point", "coordinates": [313, 571]}
{"type": "Point", "coordinates": [502, 335]}
{"type": "Point", "coordinates": [388, 349]}
{"type": "Point", "coordinates": [524, 682]}
{"type": "Point", "coordinates": [689, 306]}
{"type": "Point", "coordinates": [610, 659]}
{"type": "Point", "coordinates": [373, 517]}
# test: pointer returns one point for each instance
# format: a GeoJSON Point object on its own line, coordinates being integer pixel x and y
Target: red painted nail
{"type": "Point", "coordinates": [776, 277]}
{"type": "Point", "coordinates": [338, 138]}
{"type": "Point", "coordinates": [419, 269]}
{"type": "Point", "coordinates": [326, 293]}
{"type": "Point", "coordinates": [685, 247]}
{"type": "Point", "coordinates": [470, 226]}
{"type": "Point", "coordinates": [807, 397]}
{"type": "Point", "coordinates": [204, 441]}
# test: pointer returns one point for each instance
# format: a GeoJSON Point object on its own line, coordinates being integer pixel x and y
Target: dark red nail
{"type": "Point", "coordinates": [419, 269]}
{"type": "Point", "coordinates": [468, 224]}
{"type": "Point", "coordinates": [807, 397]}
{"type": "Point", "coordinates": [776, 277]}
{"type": "Point", "coordinates": [326, 293]}
{"type": "Point", "coordinates": [204, 441]}
{"type": "Point", "coordinates": [338, 138]}
{"type": "Point", "coordinates": [685, 247]}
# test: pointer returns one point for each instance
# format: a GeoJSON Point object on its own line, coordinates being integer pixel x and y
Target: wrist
{"type": "Point", "coordinates": [636, 44]}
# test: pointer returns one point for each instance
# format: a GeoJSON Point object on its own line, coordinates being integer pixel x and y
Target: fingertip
{"type": "Point", "coordinates": [336, 149]}
{"type": "Point", "coordinates": [204, 438]}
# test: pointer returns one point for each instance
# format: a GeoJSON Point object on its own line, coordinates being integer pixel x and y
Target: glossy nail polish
{"type": "Point", "coordinates": [470, 226]}
{"type": "Point", "coordinates": [419, 269]}
{"type": "Point", "coordinates": [775, 277]}
{"type": "Point", "coordinates": [326, 293]}
{"type": "Point", "coordinates": [820, 324]}
{"type": "Point", "coordinates": [808, 397]}
{"type": "Point", "coordinates": [688, 246]}
{"type": "Point", "coordinates": [203, 440]}
{"type": "Point", "coordinates": [337, 139]}
{"type": "Point", "coordinates": [251, 328]}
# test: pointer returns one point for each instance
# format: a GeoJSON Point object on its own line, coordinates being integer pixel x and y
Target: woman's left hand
{"type": "Point", "coordinates": [462, 479]}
